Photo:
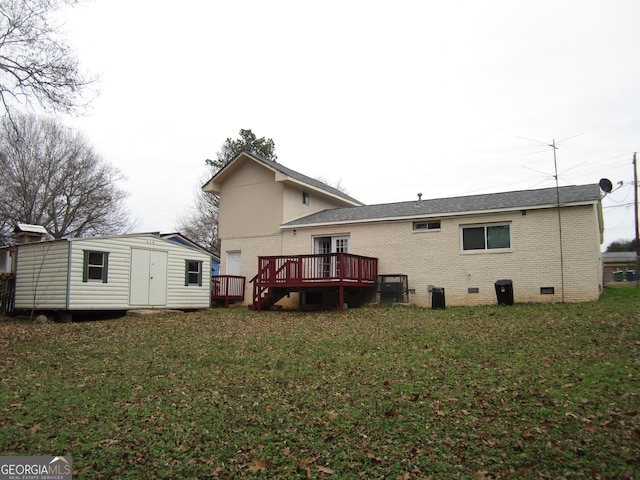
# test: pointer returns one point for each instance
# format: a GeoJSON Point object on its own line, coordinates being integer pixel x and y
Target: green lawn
{"type": "Point", "coordinates": [529, 391]}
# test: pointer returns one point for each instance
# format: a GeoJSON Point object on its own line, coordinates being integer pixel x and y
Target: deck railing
{"type": "Point", "coordinates": [307, 270]}
{"type": "Point", "coordinates": [227, 288]}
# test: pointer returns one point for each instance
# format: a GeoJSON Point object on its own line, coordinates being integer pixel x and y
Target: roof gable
{"type": "Point", "coordinates": [505, 201]}
{"type": "Point", "coordinates": [282, 174]}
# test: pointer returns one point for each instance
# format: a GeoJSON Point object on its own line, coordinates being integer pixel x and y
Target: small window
{"type": "Point", "coordinates": [473, 290]}
{"type": "Point", "coordinates": [193, 273]}
{"type": "Point", "coordinates": [486, 237]}
{"type": "Point", "coordinates": [431, 225]}
{"type": "Point", "coordinates": [95, 266]}
{"type": "Point", "coordinates": [305, 198]}
{"type": "Point", "coordinates": [547, 291]}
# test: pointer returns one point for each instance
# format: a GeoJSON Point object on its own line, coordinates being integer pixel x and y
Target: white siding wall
{"type": "Point", "coordinates": [114, 294]}
{"type": "Point", "coordinates": [41, 276]}
{"type": "Point", "coordinates": [93, 294]}
{"type": "Point", "coordinates": [43, 268]}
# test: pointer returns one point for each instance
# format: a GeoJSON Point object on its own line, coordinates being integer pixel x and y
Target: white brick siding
{"type": "Point", "coordinates": [435, 257]}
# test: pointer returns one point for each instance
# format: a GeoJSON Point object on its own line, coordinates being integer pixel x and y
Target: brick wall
{"type": "Point", "coordinates": [435, 257]}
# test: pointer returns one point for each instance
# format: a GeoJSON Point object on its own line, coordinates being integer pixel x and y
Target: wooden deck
{"type": "Point", "coordinates": [227, 288]}
{"type": "Point", "coordinates": [287, 273]}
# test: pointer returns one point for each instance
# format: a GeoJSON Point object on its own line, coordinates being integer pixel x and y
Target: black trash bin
{"type": "Point", "coordinates": [504, 292]}
{"type": "Point", "coordinates": [437, 299]}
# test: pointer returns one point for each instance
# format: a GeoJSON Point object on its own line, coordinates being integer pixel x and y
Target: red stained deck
{"type": "Point", "coordinates": [286, 273]}
{"type": "Point", "coordinates": [227, 288]}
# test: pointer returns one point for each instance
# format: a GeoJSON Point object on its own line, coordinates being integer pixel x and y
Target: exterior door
{"type": "Point", "coordinates": [323, 264]}
{"type": "Point", "coordinates": [327, 265]}
{"type": "Point", "coordinates": [340, 244]}
{"type": "Point", "coordinates": [148, 278]}
{"type": "Point", "coordinates": [234, 263]}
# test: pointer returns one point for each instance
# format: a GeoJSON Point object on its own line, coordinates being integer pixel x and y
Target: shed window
{"type": "Point", "coordinates": [193, 273]}
{"type": "Point", "coordinates": [486, 237]}
{"type": "Point", "coordinates": [95, 266]}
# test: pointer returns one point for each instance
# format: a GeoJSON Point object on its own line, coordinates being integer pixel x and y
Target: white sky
{"type": "Point", "coordinates": [387, 98]}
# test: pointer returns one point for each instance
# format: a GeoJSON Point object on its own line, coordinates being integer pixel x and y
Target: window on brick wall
{"type": "Point", "coordinates": [486, 237]}
{"type": "Point", "coordinates": [427, 225]}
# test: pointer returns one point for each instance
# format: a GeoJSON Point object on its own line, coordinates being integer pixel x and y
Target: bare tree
{"type": "Point", "coordinates": [35, 62]}
{"type": "Point", "coordinates": [200, 222]}
{"type": "Point", "coordinates": [52, 177]}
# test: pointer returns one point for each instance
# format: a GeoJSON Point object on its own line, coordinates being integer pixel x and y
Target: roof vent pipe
{"type": "Point", "coordinates": [420, 197]}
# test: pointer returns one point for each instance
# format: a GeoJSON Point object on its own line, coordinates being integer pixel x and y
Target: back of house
{"type": "Point", "coordinates": [546, 241]}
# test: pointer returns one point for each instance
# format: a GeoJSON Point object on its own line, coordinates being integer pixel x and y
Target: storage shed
{"type": "Point", "coordinates": [111, 273]}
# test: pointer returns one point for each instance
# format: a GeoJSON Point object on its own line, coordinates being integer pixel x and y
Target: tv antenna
{"type": "Point", "coordinates": [554, 146]}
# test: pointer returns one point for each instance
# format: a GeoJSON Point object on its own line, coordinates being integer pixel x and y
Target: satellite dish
{"type": "Point", "coordinates": [605, 185]}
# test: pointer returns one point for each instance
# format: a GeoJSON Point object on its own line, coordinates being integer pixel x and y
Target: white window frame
{"type": "Point", "coordinates": [486, 248]}
{"type": "Point", "coordinates": [427, 225]}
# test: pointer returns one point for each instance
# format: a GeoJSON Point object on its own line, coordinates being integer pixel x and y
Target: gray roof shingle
{"type": "Point", "coordinates": [517, 200]}
{"type": "Point", "coordinates": [299, 177]}
{"type": "Point", "coordinates": [304, 179]}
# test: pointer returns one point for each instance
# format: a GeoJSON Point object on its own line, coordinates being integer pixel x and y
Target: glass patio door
{"type": "Point", "coordinates": [327, 265]}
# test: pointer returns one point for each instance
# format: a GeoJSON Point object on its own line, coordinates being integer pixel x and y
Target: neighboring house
{"type": "Point", "coordinates": [618, 266]}
{"type": "Point", "coordinates": [23, 233]}
{"type": "Point", "coordinates": [7, 255]}
{"type": "Point", "coordinates": [462, 244]}
{"type": "Point", "coordinates": [111, 273]}
{"type": "Point", "coordinates": [27, 233]}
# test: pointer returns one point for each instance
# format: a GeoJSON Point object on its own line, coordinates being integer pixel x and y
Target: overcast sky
{"type": "Point", "coordinates": [389, 99]}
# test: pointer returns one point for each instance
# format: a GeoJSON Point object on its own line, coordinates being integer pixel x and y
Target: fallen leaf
{"type": "Point", "coordinates": [259, 465]}
{"type": "Point", "coordinates": [326, 470]}
{"type": "Point", "coordinates": [373, 458]}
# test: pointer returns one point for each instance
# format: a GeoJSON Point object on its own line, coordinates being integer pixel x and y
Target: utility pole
{"type": "Point", "coordinates": [635, 209]}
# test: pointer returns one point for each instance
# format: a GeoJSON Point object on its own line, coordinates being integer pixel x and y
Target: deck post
{"type": "Point", "coordinates": [341, 298]}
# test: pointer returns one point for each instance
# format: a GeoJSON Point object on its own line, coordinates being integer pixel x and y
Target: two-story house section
{"type": "Point", "coordinates": [257, 196]}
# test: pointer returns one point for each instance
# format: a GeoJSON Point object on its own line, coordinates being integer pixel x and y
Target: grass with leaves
{"type": "Point", "coordinates": [528, 391]}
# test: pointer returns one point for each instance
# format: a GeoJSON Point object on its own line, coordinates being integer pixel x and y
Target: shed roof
{"type": "Point", "coordinates": [506, 201]}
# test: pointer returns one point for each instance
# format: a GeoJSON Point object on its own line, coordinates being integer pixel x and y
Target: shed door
{"type": "Point", "coordinates": [148, 277]}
